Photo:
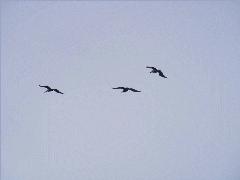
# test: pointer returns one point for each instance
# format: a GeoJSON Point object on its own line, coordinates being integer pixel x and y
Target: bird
{"type": "Point", "coordinates": [155, 70]}
{"type": "Point", "coordinates": [125, 89]}
{"type": "Point", "coordinates": [50, 89]}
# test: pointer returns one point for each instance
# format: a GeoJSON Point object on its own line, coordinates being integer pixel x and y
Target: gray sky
{"type": "Point", "coordinates": [182, 128]}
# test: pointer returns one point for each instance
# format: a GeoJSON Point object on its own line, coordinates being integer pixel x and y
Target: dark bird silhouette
{"type": "Point", "coordinates": [125, 89]}
{"type": "Point", "coordinates": [50, 89]}
{"type": "Point", "coordinates": [155, 70]}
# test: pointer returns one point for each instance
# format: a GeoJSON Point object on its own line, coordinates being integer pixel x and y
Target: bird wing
{"type": "Point", "coordinates": [134, 90]}
{"type": "Point", "coordinates": [151, 67]}
{"type": "Point", "coordinates": [119, 88]}
{"type": "Point", "coordinates": [161, 74]}
{"type": "Point", "coordinates": [45, 87]}
{"type": "Point", "coordinates": [56, 90]}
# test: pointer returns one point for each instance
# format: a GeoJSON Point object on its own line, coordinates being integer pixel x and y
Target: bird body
{"type": "Point", "coordinates": [155, 70]}
{"type": "Point", "coordinates": [125, 89]}
{"type": "Point", "coordinates": [50, 89]}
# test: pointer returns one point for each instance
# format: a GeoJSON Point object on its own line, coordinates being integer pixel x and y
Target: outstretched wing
{"type": "Point", "coordinates": [134, 90]}
{"type": "Point", "coordinates": [161, 74]}
{"type": "Point", "coordinates": [151, 68]}
{"type": "Point", "coordinates": [56, 90]}
{"type": "Point", "coordinates": [119, 88]}
{"type": "Point", "coordinates": [45, 87]}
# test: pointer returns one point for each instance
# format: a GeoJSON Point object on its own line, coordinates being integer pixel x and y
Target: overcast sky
{"type": "Point", "coordinates": [184, 127]}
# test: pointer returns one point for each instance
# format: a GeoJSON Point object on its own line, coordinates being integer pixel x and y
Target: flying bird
{"type": "Point", "coordinates": [50, 89]}
{"type": "Point", "coordinates": [125, 89]}
{"type": "Point", "coordinates": [155, 70]}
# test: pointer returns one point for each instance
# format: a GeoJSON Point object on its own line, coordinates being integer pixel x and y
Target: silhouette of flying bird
{"type": "Point", "coordinates": [125, 89]}
{"type": "Point", "coordinates": [155, 70]}
{"type": "Point", "coordinates": [50, 89]}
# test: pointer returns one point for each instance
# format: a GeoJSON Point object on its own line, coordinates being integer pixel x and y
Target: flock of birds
{"type": "Point", "coordinates": [124, 89]}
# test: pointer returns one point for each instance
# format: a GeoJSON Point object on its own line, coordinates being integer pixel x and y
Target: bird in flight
{"type": "Point", "coordinates": [125, 89]}
{"type": "Point", "coordinates": [155, 70]}
{"type": "Point", "coordinates": [50, 89]}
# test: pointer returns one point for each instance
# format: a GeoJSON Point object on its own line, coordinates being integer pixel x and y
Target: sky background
{"type": "Point", "coordinates": [182, 128]}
